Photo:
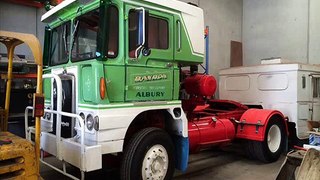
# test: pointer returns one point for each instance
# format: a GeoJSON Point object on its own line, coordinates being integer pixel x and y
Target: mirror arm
{"type": "Point", "coordinates": [143, 31]}
{"type": "Point", "coordinates": [136, 53]}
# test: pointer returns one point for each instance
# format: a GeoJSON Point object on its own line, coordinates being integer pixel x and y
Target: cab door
{"type": "Point", "coordinates": [149, 72]}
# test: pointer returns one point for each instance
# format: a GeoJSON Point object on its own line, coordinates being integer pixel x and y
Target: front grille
{"type": "Point", "coordinates": [68, 99]}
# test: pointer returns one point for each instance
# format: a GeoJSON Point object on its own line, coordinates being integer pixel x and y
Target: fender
{"type": "Point", "coordinates": [253, 123]}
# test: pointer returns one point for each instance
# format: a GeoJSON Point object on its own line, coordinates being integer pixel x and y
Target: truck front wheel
{"type": "Point", "coordinates": [270, 149]}
{"type": "Point", "coordinates": [148, 155]}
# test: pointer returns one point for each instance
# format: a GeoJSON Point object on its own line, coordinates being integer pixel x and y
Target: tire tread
{"type": "Point", "coordinates": [259, 149]}
{"type": "Point", "coordinates": [131, 148]}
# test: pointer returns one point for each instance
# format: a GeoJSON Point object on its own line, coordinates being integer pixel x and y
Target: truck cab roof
{"type": "Point", "coordinates": [192, 16]}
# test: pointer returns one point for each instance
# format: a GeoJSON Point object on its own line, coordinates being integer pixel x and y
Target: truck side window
{"type": "Point", "coordinates": [133, 31]}
{"type": "Point", "coordinates": [113, 45]}
{"type": "Point", "coordinates": [158, 33]}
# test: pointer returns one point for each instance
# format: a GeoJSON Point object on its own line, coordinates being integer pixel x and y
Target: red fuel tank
{"type": "Point", "coordinates": [208, 132]}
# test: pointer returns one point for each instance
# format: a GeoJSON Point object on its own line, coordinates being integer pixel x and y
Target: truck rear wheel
{"type": "Point", "coordinates": [270, 149]}
{"type": "Point", "coordinates": [148, 155]}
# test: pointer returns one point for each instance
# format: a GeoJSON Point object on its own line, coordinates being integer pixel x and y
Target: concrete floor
{"type": "Point", "coordinates": [227, 164]}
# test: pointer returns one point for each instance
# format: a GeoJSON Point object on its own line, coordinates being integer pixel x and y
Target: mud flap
{"type": "Point", "coordinates": [181, 152]}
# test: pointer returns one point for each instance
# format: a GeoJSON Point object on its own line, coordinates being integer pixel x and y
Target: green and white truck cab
{"type": "Point", "coordinates": [112, 68]}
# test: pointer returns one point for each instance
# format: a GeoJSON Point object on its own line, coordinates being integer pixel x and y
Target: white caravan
{"type": "Point", "coordinates": [292, 88]}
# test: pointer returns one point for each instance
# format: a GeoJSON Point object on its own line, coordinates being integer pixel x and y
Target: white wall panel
{"type": "Point", "coordinates": [275, 28]}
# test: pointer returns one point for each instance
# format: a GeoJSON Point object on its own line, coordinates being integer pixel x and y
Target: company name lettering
{"type": "Point", "coordinates": [150, 78]}
{"type": "Point", "coordinates": [150, 94]}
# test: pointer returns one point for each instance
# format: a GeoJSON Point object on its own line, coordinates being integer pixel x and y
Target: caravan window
{"type": "Point", "coordinates": [237, 83]}
{"type": "Point", "coordinates": [273, 82]}
{"type": "Point", "coordinates": [316, 87]}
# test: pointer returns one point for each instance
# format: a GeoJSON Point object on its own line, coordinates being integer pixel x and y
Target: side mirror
{"type": "Point", "coordinates": [142, 35]}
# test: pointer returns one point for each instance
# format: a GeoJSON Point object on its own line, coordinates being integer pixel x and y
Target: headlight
{"type": "Point", "coordinates": [82, 116]}
{"type": "Point", "coordinates": [48, 115]}
{"type": "Point", "coordinates": [89, 122]}
{"type": "Point", "coordinates": [96, 123]}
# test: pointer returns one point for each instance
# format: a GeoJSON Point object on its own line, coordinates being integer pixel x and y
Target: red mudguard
{"type": "Point", "coordinates": [253, 123]}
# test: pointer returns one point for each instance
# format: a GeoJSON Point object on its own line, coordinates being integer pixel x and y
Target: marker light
{"type": "Point", "coordinates": [96, 123]}
{"type": "Point", "coordinates": [102, 88]}
{"type": "Point", "coordinates": [89, 122]}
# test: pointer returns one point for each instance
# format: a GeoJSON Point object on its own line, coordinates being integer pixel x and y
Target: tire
{"type": "Point", "coordinates": [270, 149]}
{"type": "Point", "coordinates": [149, 154]}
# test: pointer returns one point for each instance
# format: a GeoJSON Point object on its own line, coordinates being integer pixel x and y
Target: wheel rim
{"type": "Point", "coordinates": [155, 163]}
{"type": "Point", "coordinates": [274, 138]}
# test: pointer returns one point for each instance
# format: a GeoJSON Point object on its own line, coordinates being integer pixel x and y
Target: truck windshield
{"type": "Point", "coordinates": [59, 48]}
{"type": "Point", "coordinates": [85, 32]}
{"type": "Point", "coordinates": [81, 37]}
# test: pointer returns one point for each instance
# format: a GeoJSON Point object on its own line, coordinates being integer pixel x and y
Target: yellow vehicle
{"type": "Point", "coordinates": [19, 158]}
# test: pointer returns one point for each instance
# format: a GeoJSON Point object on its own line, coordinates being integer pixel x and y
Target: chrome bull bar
{"type": "Point", "coordinates": [68, 145]}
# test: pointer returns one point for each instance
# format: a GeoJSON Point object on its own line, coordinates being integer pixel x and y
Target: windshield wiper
{"type": "Point", "coordinates": [64, 37]}
{"type": "Point", "coordinates": [75, 28]}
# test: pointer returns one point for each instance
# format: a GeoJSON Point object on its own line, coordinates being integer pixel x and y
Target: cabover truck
{"type": "Point", "coordinates": [115, 83]}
